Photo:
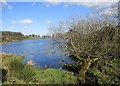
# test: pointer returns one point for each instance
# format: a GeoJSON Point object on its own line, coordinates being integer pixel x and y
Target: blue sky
{"type": "Point", "coordinates": [34, 18]}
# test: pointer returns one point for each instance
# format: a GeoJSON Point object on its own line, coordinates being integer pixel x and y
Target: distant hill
{"type": "Point", "coordinates": [8, 36]}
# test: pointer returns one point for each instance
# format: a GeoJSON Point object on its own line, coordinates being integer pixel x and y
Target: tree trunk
{"type": "Point", "coordinates": [83, 71]}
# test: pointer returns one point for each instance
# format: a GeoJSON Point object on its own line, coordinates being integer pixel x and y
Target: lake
{"type": "Point", "coordinates": [38, 51]}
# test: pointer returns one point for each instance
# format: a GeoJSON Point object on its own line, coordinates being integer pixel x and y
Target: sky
{"type": "Point", "coordinates": [35, 17]}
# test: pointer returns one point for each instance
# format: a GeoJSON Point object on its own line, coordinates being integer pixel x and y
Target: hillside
{"type": "Point", "coordinates": [8, 36]}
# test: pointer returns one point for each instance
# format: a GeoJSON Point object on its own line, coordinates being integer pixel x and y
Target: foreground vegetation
{"type": "Point", "coordinates": [14, 71]}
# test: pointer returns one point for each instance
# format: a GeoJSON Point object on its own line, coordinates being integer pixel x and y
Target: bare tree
{"type": "Point", "coordinates": [90, 40]}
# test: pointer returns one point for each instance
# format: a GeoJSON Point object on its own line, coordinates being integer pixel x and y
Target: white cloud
{"type": "Point", "coordinates": [25, 31]}
{"type": "Point", "coordinates": [48, 21]}
{"type": "Point", "coordinates": [59, 1]}
{"type": "Point", "coordinates": [65, 6]}
{"type": "Point", "coordinates": [97, 4]}
{"type": "Point", "coordinates": [0, 21]}
{"type": "Point", "coordinates": [33, 3]}
{"type": "Point", "coordinates": [109, 11]}
{"type": "Point", "coordinates": [3, 3]}
{"type": "Point", "coordinates": [26, 21]}
{"type": "Point", "coordinates": [25, 27]}
{"type": "Point", "coordinates": [88, 3]}
{"type": "Point", "coordinates": [54, 2]}
{"type": "Point", "coordinates": [9, 7]}
{"type": "Point", "coordinates": [12, 27]}
{"type": "Point", "coordinates": [47, 5]}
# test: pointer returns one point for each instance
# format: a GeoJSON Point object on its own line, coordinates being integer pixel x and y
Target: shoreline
{"type": "Point", "coordinates": [2, 43]}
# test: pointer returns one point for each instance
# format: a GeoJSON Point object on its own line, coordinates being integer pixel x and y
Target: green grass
{"type": "Point", "coordinates": [32, 74]}
{"type": "Point", "coordinates": [54, 76]}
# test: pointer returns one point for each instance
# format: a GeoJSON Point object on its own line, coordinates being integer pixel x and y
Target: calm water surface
{"type": "Point", "coordinates": [37, 51]}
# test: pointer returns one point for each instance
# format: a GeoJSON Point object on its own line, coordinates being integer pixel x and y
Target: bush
{"type": "Point", "coordinates": [20, 70]}
{"type": "Point", "coordinates": [16, 63]}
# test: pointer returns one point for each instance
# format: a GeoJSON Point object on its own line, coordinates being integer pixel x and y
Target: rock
{"type": "Point", "coordinates": [30, 62]}
{"type": "Point", "coordinates": [46, 67]}
{"type": "Point", "coordinates": [60, 68]}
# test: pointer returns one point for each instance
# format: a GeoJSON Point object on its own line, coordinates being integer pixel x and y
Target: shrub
{"type": "Point", "coordinates": [16, 63]}
{"type": "Point", "coordinates": [20, 70]}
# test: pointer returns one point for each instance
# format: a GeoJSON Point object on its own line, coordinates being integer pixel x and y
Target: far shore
{"type": "Point", "coordinates": [31, 38]}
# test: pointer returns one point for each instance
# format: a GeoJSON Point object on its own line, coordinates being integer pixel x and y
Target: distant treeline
{"type": "Point", "coordinates": [32, 35]}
